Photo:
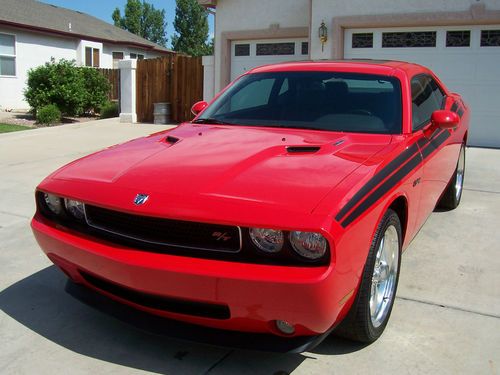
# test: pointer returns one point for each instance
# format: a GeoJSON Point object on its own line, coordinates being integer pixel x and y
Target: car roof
{"type": "Point", "coordinates": [385, 67]}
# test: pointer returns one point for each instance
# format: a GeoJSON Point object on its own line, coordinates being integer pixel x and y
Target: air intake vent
{"type": "Point", "coordinates": [172, 140]}
{"type": "Point", "coordinates": [302, 149]}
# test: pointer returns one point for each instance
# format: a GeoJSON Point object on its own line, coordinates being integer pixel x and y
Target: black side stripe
{"type": "Point", "coordinates": [414, 162]}
{"type": "Point", "coordinates": [435, 143]}
{"type": "Point", "coordinates": [382, 189]}
{"type": "Point", "coordinates": [386, 171]}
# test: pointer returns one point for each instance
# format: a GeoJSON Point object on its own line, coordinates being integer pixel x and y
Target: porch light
{"type": "Point", "coordinates": [323, 34]}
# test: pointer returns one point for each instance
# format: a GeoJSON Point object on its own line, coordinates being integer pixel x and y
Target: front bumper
{"type": "Point", "coordinates": [310, 298]}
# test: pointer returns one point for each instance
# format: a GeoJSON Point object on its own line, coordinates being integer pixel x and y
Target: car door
{"type": "Point", "coordinates": [427, 97]}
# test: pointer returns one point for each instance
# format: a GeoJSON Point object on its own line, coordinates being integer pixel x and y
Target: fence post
{"type": "Point", "coordinates": [208, 78]}
{"type": "Point", "coordinates": [127, 90]}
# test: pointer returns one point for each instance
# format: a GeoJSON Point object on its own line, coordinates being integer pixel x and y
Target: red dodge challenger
{"type": "Point", "coordinates": [281, 210]}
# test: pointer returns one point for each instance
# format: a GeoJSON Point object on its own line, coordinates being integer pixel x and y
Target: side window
{"type": "Point", "coordinates": [7, 55]}
{"type": "Point", "coordinates": [255, 94]}
{"type": "Point", "coordinates": [427, 97]}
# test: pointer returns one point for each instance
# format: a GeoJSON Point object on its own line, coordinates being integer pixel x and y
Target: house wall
{"type": "Point", "coordinates": [35, 49]}
{"type": "Point", "coordinates": [237, 18]}
{"type": "Point", "coordinates": [327, 10]}
{"type": "Point", "coordinates": [241, 15]}
{"type": "Point", "coordinates": [31, 50]}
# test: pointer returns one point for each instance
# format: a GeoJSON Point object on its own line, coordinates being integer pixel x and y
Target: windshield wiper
{"type": "Point", "coordinates": [211, 121]}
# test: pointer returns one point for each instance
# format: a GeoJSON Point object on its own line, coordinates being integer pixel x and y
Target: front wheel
{"type": "Point", "coordinates": [372, 307]}
{"type": "Point", "coordinates": [453, 193]}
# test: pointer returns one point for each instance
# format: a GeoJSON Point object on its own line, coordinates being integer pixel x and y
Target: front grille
{"type": "Point", "coordinates": [169, 304]}
{"type": "Point", "coordinates": [166, 232]}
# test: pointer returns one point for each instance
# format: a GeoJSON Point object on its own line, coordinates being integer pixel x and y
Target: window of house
{"type": "Point", "coordinates": [137, 56]}
{"type": "Point", "coordinates": [92, 57]}
{"type": "Point", "coordinates": [117, 56]}
{"type": "Point", "coordinates": [7, 55]}
{"type": "Point", "coordinates": [427, 97]}
{"type": "Point", "coordinates": [458, 38]}
{"type": "Point", "coordinates": [362, 40]}
{"type": "Point", "coordinates": [273, 49]}
{"type": "Point", "coordinates": [305, 48]}
{"type": "Point", "coordinates": [409, 39]}
{"type": "Point", "coordinates": [242, 50]}
{"type": "Point", "coordinates": [490, 38]}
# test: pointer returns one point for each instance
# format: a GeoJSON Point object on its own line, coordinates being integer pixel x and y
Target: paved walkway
{"type": "Point", "coordinates": [446, 318]}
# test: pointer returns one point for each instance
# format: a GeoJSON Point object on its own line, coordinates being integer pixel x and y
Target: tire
{"type": "Point", "coordinates": [366, 321]}
{"type": "Point", "coordinates": [453, 193]}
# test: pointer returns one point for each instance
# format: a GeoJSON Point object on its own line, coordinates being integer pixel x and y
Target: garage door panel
{"type": "Point", "coordinates": [473, 71]}
{"type": "Point", "coordinates": [486, 131]}
{"type": "Point", "coordinates": [488, 68]}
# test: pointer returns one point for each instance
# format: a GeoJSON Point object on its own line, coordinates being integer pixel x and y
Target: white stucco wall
{"type": "Point", "coordinates": [31, 50]}
{"type": "Point", "coordinates": [34, 49]}
{"type": "Point", "coordinates": [325, 10]}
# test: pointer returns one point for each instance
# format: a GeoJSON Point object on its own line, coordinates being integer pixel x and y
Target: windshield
{"type": "Point", "coordinates": [331, 101]}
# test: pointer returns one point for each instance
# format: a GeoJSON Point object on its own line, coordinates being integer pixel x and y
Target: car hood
{"type": "Point", "coordinates": [193, 165]}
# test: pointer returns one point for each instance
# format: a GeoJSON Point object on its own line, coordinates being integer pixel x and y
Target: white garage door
{"type": "Point", "coordinates": [466, 59]}
{"type": "Point", "coordinates": [247, 54]}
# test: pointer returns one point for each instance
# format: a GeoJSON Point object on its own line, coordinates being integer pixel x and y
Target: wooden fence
{"type": "Point", "coordinates": [175, 79]}
{"type": "Point", "coordinates": [113, 76]}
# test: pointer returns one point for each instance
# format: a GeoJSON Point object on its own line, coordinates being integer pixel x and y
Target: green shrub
{"type": "Point", "coordinates": [72, 89]}
{"type": "Point", "coordinates": [60, 83]}
{"type": "Point", "coordinates": [110, 109]}
{"type": "Point", "coordinates": [48, 114]}
{"type": "Point", "coordinates": [97, 88]}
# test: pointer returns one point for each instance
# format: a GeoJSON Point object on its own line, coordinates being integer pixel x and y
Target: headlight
{"type": "Point", "coordinates": [310, 245]}
{"type": "Point", "coordinates": [53, 203]}
{"type": "Point", "coordinates": [75, 209]}
{"type": "Point", "coordinates": [268, 240]}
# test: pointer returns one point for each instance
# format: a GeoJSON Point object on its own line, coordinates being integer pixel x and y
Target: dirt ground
{"type": "Point", "coordinates": [25, 118]}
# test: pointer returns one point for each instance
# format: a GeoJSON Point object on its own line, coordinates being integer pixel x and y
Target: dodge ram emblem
{"type": "Point", "coordinates": [140, 199]}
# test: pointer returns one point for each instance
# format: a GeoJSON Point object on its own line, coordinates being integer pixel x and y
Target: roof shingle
{"type": "Point", "coordinates": [46, 17]}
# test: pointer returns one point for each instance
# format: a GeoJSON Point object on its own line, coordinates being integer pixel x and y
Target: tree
{"type": "Point", "coordinates": [191, 29]}
{"type": "Point", "coordinates": [143, 19]}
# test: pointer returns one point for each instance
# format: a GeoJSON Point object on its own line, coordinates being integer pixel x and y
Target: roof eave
{"type": "Point", "coordinates": [208, 3]}
{"type": "Point", "coordinates": [81, 36]}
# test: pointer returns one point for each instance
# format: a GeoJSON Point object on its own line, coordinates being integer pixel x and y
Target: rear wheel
{"type": "Point", "coordinates": [372, 307]}
{"type": "Point", "coordinates": [453, 193]}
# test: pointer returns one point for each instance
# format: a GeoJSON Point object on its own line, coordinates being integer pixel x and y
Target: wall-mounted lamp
{"type": "Point", "coordinates": [323, 34]}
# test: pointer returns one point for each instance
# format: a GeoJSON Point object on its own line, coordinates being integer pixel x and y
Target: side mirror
{"type": "Point", "coordinates": [445, 119]}
{"type": "Point", "coordinates": [198, 107]}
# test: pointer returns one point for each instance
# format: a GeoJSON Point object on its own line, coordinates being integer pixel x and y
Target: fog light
{"type": "Point", "coordinates": [285, 327]}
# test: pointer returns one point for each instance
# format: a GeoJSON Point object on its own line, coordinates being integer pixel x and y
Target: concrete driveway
{"type": "Point", "coordinates": [446, 318]}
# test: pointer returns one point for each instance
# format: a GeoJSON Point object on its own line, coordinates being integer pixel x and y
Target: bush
{"type": "Point", "coordinates": [72, 89]}
{"type": "Point", "coordinates": [110, 109]}
{"type": "Point", "coordinates": [97, 88]}
{"type": "Point", "coordinates": [48, 114]}
{"type": "Point", "coordinates": [59, 83]}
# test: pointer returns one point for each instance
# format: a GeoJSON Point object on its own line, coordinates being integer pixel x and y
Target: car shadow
{"type": "Point", "coordinates": [40, 303]}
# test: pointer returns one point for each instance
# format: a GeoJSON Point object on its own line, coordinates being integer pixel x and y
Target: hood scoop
{"type": "Point", "coordinates": [171, 139]}
{"type": "Point", "coordinates": [302, 149]}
